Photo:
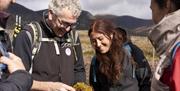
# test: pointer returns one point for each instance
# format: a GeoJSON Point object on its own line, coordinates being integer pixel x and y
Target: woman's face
{"type": "Point", "coordinates": [101, 42]}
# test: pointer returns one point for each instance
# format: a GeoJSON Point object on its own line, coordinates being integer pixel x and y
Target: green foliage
{"type": "Point", "coordinates": [80, 86]}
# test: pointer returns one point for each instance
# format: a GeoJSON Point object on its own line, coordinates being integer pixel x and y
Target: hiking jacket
{"type": "Point", "coordinates": [128, 80]}
{"type": "Point", "coordinates": [165, 36]}
{"type": "Point", "coordinates": [48, 65]}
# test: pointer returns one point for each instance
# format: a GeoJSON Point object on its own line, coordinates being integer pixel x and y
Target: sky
{"type": "Point", "coordinates": [136, 8]}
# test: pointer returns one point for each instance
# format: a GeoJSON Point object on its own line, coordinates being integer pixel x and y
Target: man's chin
{"type": "Point", "coordinates": [60, 34]}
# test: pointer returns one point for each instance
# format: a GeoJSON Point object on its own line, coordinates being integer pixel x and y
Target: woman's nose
{"type": "Point", "coordinates": [98, 43]}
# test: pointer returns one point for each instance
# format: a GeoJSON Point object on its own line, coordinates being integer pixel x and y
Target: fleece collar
{"type": "Point", "coordinates": [166, 33]}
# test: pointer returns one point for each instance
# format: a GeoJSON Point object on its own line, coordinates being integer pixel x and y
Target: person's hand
{"type": "Point", "coordinates": [13, 63]}
{"type": "Point", "coordinates": [58, 86]}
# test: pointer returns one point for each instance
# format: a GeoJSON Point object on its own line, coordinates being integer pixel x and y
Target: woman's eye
{"type": "Point", "coordinates": [100, 38]}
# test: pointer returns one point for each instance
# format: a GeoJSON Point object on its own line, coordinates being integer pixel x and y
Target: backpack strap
{"type": "Point", "coordinates": [35, 39]}
{"type": "Point", "coordinates": [93, 65]}
{"type": "Point", "coordinates": [74, 36]}
{"type": "Point", "coordinates": [17, 28]}
{"type": "Point", "coordinates": [55, 44]}
{"type": "Point", "coordinates": [128, 50]}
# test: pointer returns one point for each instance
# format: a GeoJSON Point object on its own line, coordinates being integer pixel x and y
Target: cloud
{"type": "Point", "coordinates": [34, 4]}
{"type": "Point", "coordinates": [98, 4]}
{"type": "Point", "coordinates": [137, 8]}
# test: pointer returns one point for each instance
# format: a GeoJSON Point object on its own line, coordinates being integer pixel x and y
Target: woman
{"type": "Point", "coordinates": [165, 37]}
{"type": "Point", "coordinates": [112, 69]}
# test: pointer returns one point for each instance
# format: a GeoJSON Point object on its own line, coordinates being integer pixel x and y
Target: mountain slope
{"type": "Point", "coordinates": [128, 22]}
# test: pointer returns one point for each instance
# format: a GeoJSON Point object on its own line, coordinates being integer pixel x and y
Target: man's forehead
{"type": "Point", "coordinates": [69, 18]}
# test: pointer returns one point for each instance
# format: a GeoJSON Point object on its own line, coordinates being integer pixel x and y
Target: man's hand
{"type": "Point", "coordinates": [13, 63]}
{"type": "Point", "coordinates": [51, 86]}
{"type": "Point", "coordinates": [58, 86]}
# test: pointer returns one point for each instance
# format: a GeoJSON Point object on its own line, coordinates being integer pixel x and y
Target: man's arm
{"type": "Point", "coordinates": [51, 86]}
{"type": "Point", "coordinates": [79, 65]}
{"type": "Point", "coordinates": [22, 48]}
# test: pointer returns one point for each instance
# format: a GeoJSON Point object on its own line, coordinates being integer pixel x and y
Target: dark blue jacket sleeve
{"type": "Point", "coordinates": [22, 48]}
{"type": "Point", "coordinates": [17, 81]}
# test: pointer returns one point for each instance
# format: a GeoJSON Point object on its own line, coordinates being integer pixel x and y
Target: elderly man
{"type": "Point", "coordinates": [57, 62]}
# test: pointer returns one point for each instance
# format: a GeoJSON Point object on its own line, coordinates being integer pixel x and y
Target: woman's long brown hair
{"type": "Point", "coordinates": [110, 62]}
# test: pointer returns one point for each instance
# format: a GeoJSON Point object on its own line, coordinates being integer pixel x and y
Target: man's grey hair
{"type": "Point", "coordinates": [58, 5]}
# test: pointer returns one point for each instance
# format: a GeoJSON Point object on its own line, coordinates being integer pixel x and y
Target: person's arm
{"type": "Point", "coordinates": [19, 79]}
{"type": "Point", "coordinates": [51, 86]}
{"type": "Point", "coordinates": [22, 48]}
{"type": "Point", "coordinates": [79, 65]}
{"type": "Point", "coordinates": [175, 72]}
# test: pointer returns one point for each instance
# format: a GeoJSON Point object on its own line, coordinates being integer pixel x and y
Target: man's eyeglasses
{"type": "Point", "coordinates": [67, 24]}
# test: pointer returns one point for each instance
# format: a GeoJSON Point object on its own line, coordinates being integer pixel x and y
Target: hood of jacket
{"type": "Point", "coordinates": [165, 34]}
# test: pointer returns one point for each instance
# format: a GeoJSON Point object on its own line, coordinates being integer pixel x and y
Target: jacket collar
{"type": "Point", "coordinates": [166, 33]}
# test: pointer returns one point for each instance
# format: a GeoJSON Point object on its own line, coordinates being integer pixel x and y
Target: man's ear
{"type": "Point", "coordinates": [50, 14]}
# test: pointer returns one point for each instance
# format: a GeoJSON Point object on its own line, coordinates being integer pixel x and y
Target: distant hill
{"type": "Point", "coordinates": [26, 14]}
{"type": "Point", "coordinates": [85, 20]}
{"type": "Point", "coordinates": [128, 22]}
